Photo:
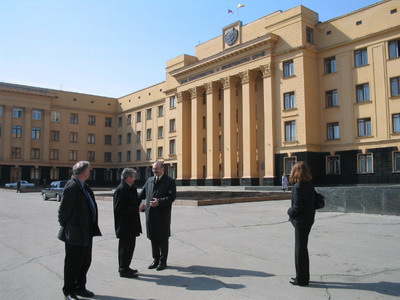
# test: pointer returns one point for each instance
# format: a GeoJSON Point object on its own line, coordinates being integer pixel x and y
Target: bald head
{"type": "Point", "coordinates": [158, 168]}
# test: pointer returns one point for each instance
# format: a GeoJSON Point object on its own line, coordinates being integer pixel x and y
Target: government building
{"type": "Point", "coordinates": [247, 106]}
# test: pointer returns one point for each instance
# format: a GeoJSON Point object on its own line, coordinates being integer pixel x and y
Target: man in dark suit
{"type": "Point", "coordinates": [127, 221]}
{"type": "Point", "coordinates": [78, 217]}
{"type": "Point", "coordinates": [159, 192]}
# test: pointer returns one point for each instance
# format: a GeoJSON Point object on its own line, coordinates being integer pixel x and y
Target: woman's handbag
{"type": "Point", "coordinates": [320, 201]}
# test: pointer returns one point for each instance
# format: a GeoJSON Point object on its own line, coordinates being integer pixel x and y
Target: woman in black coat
{"type": "Point", "coordinates": [301, 214]}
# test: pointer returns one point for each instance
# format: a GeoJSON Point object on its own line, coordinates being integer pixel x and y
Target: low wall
{"type": "Point", "coordinates": [384, 200]}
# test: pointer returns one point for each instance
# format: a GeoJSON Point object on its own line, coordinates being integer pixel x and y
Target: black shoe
{"type": "Point", "coordinates": [132, 270]}
{"type": "Point", "coordinates": [154, 265]}
{"type": "Point", "coordinates": [128, 274]}
{"type": "Point", "coordinates": [295, 282]}
{"type": "Point", "coordinates": [84, 293]}
{"type": "Point", "coordinates": [161, 266]}
{"type": "Point", "coordinates": [71, 297]}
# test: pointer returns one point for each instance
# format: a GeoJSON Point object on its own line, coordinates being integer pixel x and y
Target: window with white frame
{"type": "Point", "coordinates": [91, 156]}
{"type": "Point", "coordinates": [172, 125]}
{"type": "Point", "coordinates": [395, 86]}
{"type": "Point", "coordinates": [35, 153]}
{"type": "Point", "coordinates": [108, 139]}
{"type": "Point", "coordinates": [160, 132]}
{"type": "Point", "coordinates": [37, 114]}
{"type": "Point", "coordinates": [172, 102]}
{"type": "Point", "coordinates": [74, 118]}
{"type": "Point", "coordinates": [91, 138]}
{"type": "Point", "coordinates": [54, 135]}
{"type": "Point", "coordinates": [138, 154]}
{"type": "Point", "coordinates": [330, 65]}
{"type": "Point", "coordinates": [108, 122]}
{"type": "Point", "coordinates": [36, 133]}
{"type": "Point", "coordinates": [172, 148]}
{"type": "Point", "coordinates": [73, 154]}
{"type": "Point", "coordinates": [119, 139]}
{"type": "Point", "coordinates": [148, 153]}
{"type": "Point", "coordinates": [362, 92]}
{"type": "Point", "coordinates": [289, 162]}
{"type": "Point", "coordinates": [333, 132]}
{"type": "Point", "coordinates": [309, 35]}
{"type": "Point", "coordinates": [92, 120]}
{"type": "Point", "coordinates": [15, 152]}
{"type": "Point", "coordinates": [333, 165]}
{"type": "Point", "coordinates": [148, 134]}
{"type": "Point", "coordinates": [138, 136]}
{"type": "Point", "coordinates": [35, 173]}
{"type": "Point", "coordinates": [138, 117]}
{"type": "Point", "coordinates": [53, 154]}
{"type": "Point", "coordinates": [396, 161]}
{"type": "Point", "coordinates": [149, 114]}
{"type": "Point", "coordinates": [18, 112]}
{"type": "Point", "coordinates": [17, 131]}
{"type": "Point", "coordinates": [160, 152]}
{"type": "Point", "coordinates": [55, 116]}
{"type": "Point", "coordinates": [54, 174]}
{"type": "Point", "coordinates": [289, 100]}
{"type": "Point", "coordinates": [290, 131]}
{"type": "Point", "coordinates": [331, 98]}
{"type": "Point", "coordinates": [73, 137]}
{"type": "Point", "coordinates": [364, 127]}
{"type": "Point", "coordinates": [396, 123]}
{"type": "Point", "coordinates": [394, 48]}
{"type": "Point", "coordinates": [360, 57]}
{"type": "Point", "coordinates": [161, 111]}
{"type": "Point", "coordinates": [365, 163]}
{"type": "Point", "coordinates": [288, 68]}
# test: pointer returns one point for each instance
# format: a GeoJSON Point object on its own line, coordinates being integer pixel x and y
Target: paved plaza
{"type": "Point", "coordinates": [235, 251]}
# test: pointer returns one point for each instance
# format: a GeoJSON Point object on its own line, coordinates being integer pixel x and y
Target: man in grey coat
{"type": "Point", "coordinates": [159, 192]}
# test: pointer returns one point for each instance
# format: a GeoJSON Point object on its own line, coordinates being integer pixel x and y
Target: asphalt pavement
{"type": "Point", "coordinates": [234, 251]}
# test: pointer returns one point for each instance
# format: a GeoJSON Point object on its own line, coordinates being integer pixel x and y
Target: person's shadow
{"type": "Point", "coordinates": [104, 297]}
{"type": "Point", "coordinates": [383, 287]}
{"type": "Point", "coordinates": [202, 282]}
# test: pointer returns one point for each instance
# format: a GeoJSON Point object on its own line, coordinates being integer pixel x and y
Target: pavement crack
{"type": "Point", "coordinates": [189, 244]}
{"type": "Point", "coordinates": [216, 214]}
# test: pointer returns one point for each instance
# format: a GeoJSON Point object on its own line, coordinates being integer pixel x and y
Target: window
{"type": "Point", "coordinates": [332, 165]}
{"type": "Point", "coordinates": [107, 175]}
{"type": "Point", "coordinates": [73, 137]}
{"type": "Point", "coordinates": [91, 156]}
{"type": "Point", "coordinates": [119, 140]}
{"type": "Point", "coordinates": [204, 145]}
{"type": "Point", "coordinates": [290, 131]}
{"type": "Point", "coordinates": [148, 114]}
{"type": "Point", "coordinates": [288, 68]}
{"type": "Point", "coordinates": [364, 127]}
{"type": "Point", "coordinates": [220, 119]}
{"type": "Point", "coordinates": [128, 138]}
{"type": "Point", "coordinates": [289, 162]}
{"type": "Point", "coordinates": [35, 153]}
{"type": "Point", "coordinates": [138, 136]}
{"type": "Point", "coordinates": [92, 120]}
{"type": "Point", "coordinates": [394, 49]}
{"type": "Point", "coordinates": [91, 138]}
{"type": "Point", "coordinates": [148, 134]}
{"type": "Point", "coordinates": [220, 143]}
{"type": "Point", "coordinates": [54, 135]}
{"type": "Point", "coordinates": [1, 110]}
{"type": "Point", "coordinates": [35, 173]}
{"type": "Point", "coordinates": [160, 132]}
{"type": "Point", "coordinates": [73, 154]}
{"type": "Point", "coordinates": [395, 86]}
{"type": "Point", "coordinates": [15, 152]}
{"type": "Point", "coordinates": [54, 174]}
{"type": "Point", "coordinates": [17, 131]}
{"type": "Point", "coordinates": [35, 133]}
{"type": "Point", "coordinates": [220, 94]}
{"type": "Point", "coordinates": [108, 122]}
{"type": "Point", "coordinates": [362, 92]}
{"type": "Point", "coordinates": [309, 35]}
{"type": "Point", "coordinates": [160, 152]}
{"type": "Point", "coordinates": [53, 154]}
{"type": "Point", "coordinates": [37, 114]}
{"type": "Point", "coordinates": [1, 131]}
{"type": "Point", "coordinates": [396, 161]}
{"type": "Point", "coordinates": [172, 102]}
{"type": "Point", "coordinates": [148, 153]}
{"type": "Point", "coordinates": [204, 98]}
{"type": "Point", "coordinates": [204, 122]}
{"type": "Point", "coordinates": [119, 156]}
{"type": "Point", "coordinates": [74, 119]}
{"type": "Point", "coordinates": [107, 156]}
{"type": "Point", "coordinates": [333, 131]}
{"type": "Point", "coordinates": [17, 112]}
{"type": "Point", "coordinates": [172, 125]}
{"type": "Point", "coordinates": [129, 119]}
{"type": "Point", "coordinates": [138, 154]}
{"type": "Point", "coordinates": [108, 139]}
{"type": "Point", "coordinates": [396, 123]}
{"type": "Point", "coordinates": [365, 164]}
{"type": "Point", "coordinates": [331, 98]}
{"type": "Point", "coordinates": [330, 65]}
{"type": "Point", "coordinates": [128, 155]}
{"type": "Point", "coordinates": [138, 117]}
{"type": "Point", "coordinates": [172, 149]}
{"type": "Point", "coordinates": [361, 57]}
{"type": "Point", "coordinates": [119, 121]}
{"type": "Point", "coordinates": [161, 110]}
{"type": "Point", "coordinates": [289, 100]}
{"type": "Point", "coordinates": [55, 116]}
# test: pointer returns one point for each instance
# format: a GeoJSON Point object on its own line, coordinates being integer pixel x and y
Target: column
{"type": "Point", "coordinates": [184, 140]}
{"type": "Point", "coordinates": [212, 136]}
{"type": "Point", "coordinates": [27, 135]}
{"type": "Point", "coordinates": [7, 130]}
{"type": "Point", "coordinates": [229, 135]}
{"type": "Point", "coordinates": [250, 176]}
{"type": "Point", "coordinates": [45, 149]}
{"type": "Point", "coordinates": [269, 138]}
{"type": "Point", "coordinates": [196, 177]}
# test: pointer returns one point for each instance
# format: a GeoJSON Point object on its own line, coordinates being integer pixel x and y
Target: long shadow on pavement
{"type": "Point", "coordinates": [383, 287]}
{"type": "Point", "coordinates": [222, 272]}
{"type": "Point", "coordinates": [104, 297]}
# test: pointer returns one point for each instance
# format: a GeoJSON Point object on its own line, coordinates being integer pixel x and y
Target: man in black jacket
{"type": "Point", "coordinates": [159, 192]}
{"type": "Point", "coordinates": [126, 221]}
{"type": "Point", "coordinates": [78, 217]}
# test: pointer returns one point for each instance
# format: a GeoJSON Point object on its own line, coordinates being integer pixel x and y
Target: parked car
{"type": "Point", "coordinates": [54, 190]}
{"type": "Point", "coordinates": [24, 184]}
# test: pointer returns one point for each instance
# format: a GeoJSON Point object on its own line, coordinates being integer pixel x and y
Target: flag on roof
{"type": "Point", "coordinates": [240, 5]}
{"type": "Point", "coordinates": [230, 11]}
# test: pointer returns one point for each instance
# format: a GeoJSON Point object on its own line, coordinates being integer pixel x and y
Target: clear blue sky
{"type": "Point", "coordinates": [115, 47]}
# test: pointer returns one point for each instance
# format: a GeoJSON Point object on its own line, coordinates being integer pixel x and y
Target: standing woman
{"type": "Point", "coordinates": [301, 214]}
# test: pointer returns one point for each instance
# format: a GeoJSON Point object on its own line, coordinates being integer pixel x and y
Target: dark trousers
{"type": "Point", "coordinates": [160, 250]}
{"type": "Point", "coordinates": [301, 254]}
{"type": "Point", "coordinates": [125, 253]}
{"type": "Point", "coordinates": [76, 265]}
